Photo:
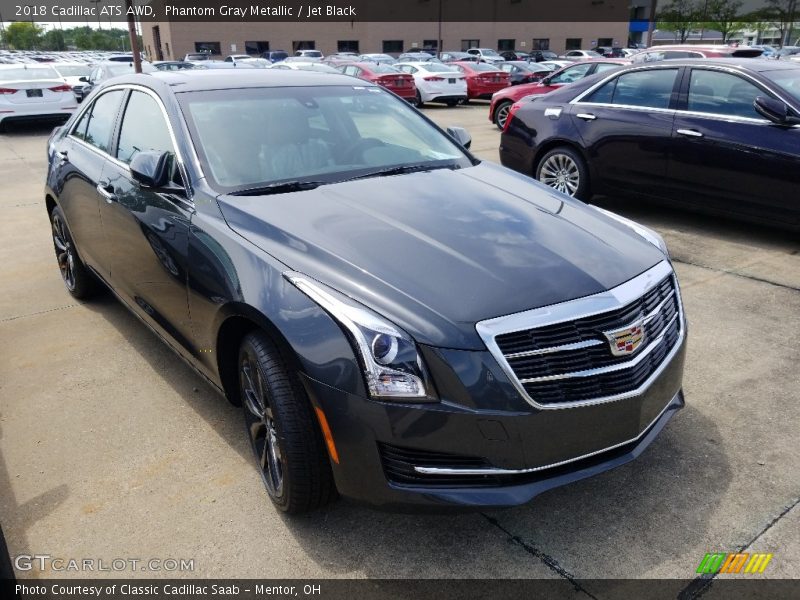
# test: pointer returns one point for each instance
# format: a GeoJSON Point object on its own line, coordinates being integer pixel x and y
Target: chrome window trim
{"type": "Point", "coordinates": [612, 74]}
{"type": "Point", "coordinates": [717, 116]}
{"type": "Point", "coordinates": [579, 308]}
{"type": "Point", "coordinates": [114, 159]}
{"type": "Point", "coordinates": [499, 471]}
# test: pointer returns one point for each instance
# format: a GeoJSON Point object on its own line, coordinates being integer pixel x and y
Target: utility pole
{"type": "Point", "coordinates": [137, 58]}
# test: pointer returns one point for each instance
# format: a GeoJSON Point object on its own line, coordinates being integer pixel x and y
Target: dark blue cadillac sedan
{"type": "Point", "coordinates": [401, 323]}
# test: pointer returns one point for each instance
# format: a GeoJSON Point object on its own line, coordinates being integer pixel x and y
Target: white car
{"type": "Point", "coordinates": [555, 65]}
{"type": "Point", "coordinates": [580, 55]}
{"type": "Point", "coordinates": [309, 54]}
{"type": "Point", "coordinates": [486, 55]}
{"type": "Point", "coordinates": [305, 66]}
{"type": "Point", "coordinates": [72, 72]}
{"type": "Point", "coordinates": [436, 82]}
{"type": "Point", "coordinates": [30, 92]}
{"type": "Point", "coordinates": [237, 57]}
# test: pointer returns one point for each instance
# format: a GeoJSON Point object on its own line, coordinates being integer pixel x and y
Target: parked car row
{"type": "Point", "coordinates": [720, 135]}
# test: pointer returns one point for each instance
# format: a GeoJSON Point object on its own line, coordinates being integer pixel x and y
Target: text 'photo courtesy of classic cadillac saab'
{"type": "Point", "coordinates": [401, 323]}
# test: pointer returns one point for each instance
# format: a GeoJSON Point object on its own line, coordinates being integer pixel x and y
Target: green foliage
{"type": "Point", "coordinates": [680, 17]}
{"type": "Point", "coordinates": [724, 16]}
{"type": "Point", "coordinates": [25, 35]}
{"type": "Point", "coordinates": [22, 35]}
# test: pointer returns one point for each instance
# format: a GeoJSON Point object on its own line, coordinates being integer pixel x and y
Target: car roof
{"type": "Point", "coordinates": [745, 64]}
{"type": "Point", "coordinates": [28, 66]}
{"type": "Point", "coordinates": [193, 80]}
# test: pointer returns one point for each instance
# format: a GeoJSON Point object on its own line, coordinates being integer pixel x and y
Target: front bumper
{"type": "Point", "coordinates": [520, 450]}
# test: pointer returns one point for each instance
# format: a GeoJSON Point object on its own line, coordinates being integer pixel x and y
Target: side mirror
{"type": "Point", "coordinates": [460, 135]}
{"type": "Point", "coordinates": [774, 110]}
{"type": "Point", "coordinates": [151, 169]}
{"type": "Point", "coordinates": [84, 79]}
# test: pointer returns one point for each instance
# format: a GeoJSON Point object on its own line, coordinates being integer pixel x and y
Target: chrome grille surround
{"type": "Point", "coordinates": [611, 300]}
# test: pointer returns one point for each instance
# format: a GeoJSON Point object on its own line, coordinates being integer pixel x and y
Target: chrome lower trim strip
{"type": "Point", "coordinates": [498, 471]}
{"type": "Point", "coordinates": [610, 368]}
{"type": "Point", "coordinates": [571, 310]}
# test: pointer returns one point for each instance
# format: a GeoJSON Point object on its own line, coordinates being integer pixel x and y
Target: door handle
{"type": "Point", "coordinates": [586, 116]}
{"type": "Point", "coordinates": [689, 132]}
{"type": "Point", "coordinates": [62, 156]}
{"type": "Point", "coordinates": [107, 191]}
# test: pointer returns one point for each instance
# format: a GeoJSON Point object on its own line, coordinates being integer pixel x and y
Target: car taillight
{"type": "Point", "coordinates": [7, 91]}
{"type": "Point", "coordinates": [433, 78]}
{"type": "Point", "coordinates": [61, 88]}
{"type": "Point", "coordinates": [514, 108]}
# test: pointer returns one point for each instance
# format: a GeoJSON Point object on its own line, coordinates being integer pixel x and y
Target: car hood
{"type": "Point", "coordinates": [436, 252]}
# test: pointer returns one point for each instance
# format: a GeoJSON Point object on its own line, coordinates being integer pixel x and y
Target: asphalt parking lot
{"type": "Point", "coordinates": [111, 447]}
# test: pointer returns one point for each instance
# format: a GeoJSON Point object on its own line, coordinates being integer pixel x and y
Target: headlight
{"type": "Point", "coordinates": [392, 366]}
{"type": "Point", "coordinates": [645, 232]}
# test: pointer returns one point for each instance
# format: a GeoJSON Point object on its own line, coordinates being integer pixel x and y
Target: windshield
{"type": "Point", "coordinates": [379, 68]}
{"type": "Point", "coordinates": [124, 69]}
{"type": "Point", "coordinates": [788, 79]}
{"type": "Point", "coordinates": [487, 52]}
{"type": "Point", "coordinates": [73, 70]}
{"type": "Point", "coordinates": [249, 138]}
{"type": "Point", "coordinates": [440, 68]}
{"type": "Point", "coordinates": [592, 53]}
{"type": "Point", "coordinates": [28, 74]}
{"type": "Point", "coordinates": [482, 67]}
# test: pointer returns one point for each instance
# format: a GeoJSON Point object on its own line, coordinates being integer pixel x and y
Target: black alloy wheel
{"type": "Point", "coordinates": [78, 279]}
{"type": "Point", "coordinates": [284, 434]}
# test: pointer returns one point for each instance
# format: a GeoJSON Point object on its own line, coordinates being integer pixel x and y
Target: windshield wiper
{"type": "Point", "coordinates": [279, 188]}
{"type": "Point", "coordinates": [402, 170]}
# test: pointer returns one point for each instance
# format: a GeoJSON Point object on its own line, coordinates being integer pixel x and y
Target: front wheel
{"type": "Point", "coordinates": [284, 434]}
{"type": "Point", "coordinates": [452, 103]}
{"type": "Point", "coordinates": [563, 169]}
{"type": "Point", "coordinates": [501, 114]}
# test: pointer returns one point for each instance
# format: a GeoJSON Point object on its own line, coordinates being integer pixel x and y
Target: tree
{"type": "Point", "coordinates": [782, 14]}
{"type": "Point", "coordinates": [723, 16]}
{"type": "Point", "coordinates": [679, 17]}
{"type": "Point", "coordinates": [54, 40]}
{"type": "Point", "coordinates": [23, 35]}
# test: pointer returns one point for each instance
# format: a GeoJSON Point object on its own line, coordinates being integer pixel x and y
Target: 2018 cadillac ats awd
{"type": "Point", "coordinates": [401, 322]}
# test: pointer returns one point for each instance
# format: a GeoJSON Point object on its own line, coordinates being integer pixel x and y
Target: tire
{"type": "Point", "coordinates": [501, 114]}
{"type": "Point", "coordinates": [78, 279]}
{"type": "Point", "coordinates": [284, 434]}
{"type": "Point", "coordinates": [565, 170]}
{"type": "Point", "coordinates": [418, 102]}
{"type": "Point", "coordinates": [452, 103]}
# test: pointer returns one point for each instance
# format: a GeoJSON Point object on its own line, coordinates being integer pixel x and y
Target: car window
{"type": "Point", "coordinates": [572, 73]}
{"type": "Point", "coordinates": [79, 129]}
{"type": "Point", "coordinates": [652, 89]}
{"type": "Point", "coordinates": [143, 128]}
{"type": "Point", "coordinates": [101, 121]}
{"type": "Point", "coordinates": [605, 67]}
{"type": "Point", "coordinates": [722, 94]}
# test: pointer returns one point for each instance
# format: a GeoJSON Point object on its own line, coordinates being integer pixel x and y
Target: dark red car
{"type": "Point", "coordinates": [483, 79]}
{"type": "Point", "coordinates": [502, 100]}
{"type": "Point", "coordinates": [392, 79]}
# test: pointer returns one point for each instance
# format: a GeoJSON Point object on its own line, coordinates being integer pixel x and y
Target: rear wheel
{"type": "Point", "coordinates": [284, 434]}
{"type": "Point", "coordinates": [452, 103]}
{"type": "Point", "coordinates": [501, 114]}
{"type": "Point", "coordinates": [78, 279]}
{"type": "Point", "coordinates": [418, 101]}
{"type": "Point", "coordinates": [564, 170]}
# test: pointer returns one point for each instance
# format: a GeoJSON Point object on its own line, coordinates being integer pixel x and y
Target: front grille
{"type": "Point", "coordinates": [559, 363]}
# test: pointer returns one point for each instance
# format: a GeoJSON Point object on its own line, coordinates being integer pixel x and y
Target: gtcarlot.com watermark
{"type": "Point", "coordinates": [46, 562]}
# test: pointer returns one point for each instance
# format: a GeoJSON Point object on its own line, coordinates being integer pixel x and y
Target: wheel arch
{"type": "Point", "coordinates": [551, 144]}
{"type": "Point", "coordinates": [241, 320]}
